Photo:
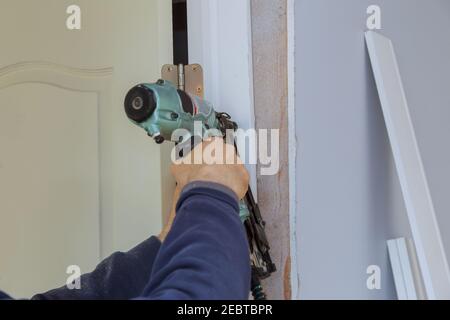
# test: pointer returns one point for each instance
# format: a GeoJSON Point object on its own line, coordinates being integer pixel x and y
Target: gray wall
{"type": "Point", "coordinates": [349, 198]}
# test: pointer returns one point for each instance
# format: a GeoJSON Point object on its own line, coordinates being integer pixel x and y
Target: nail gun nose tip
{"type": "Point", "coordinates": [140, 103]}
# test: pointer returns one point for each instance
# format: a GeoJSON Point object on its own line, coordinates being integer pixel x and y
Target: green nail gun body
{"type": "Point", "coordinates": [160, 109]}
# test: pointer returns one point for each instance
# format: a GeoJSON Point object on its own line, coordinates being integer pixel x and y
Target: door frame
{"type": "Point", "coordinates": [220, 38]}
{"type": "Point", "coordinates": [225, 52]}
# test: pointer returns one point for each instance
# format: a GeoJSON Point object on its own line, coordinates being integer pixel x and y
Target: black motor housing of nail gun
{"type": "Point", "coordinates": [161, 109]}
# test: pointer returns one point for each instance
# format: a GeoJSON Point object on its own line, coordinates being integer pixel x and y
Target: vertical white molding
{"type": "Point", "coordinates": [292, 144]}
{"type": "Point", "coordinates": [402, 269]}
{"type": "Point", "coordinates": [415, 269]}
{"type": "Point", "coordinates": [220, 39]}
{"type": "Point", "coordinates": [419, 205]}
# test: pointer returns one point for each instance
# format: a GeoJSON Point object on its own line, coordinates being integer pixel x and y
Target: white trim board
{"type": "Point", "coordinates": [295, 284]}
{"type": "Point", "coordinates": [220, 39]}
{"type": "Point", "coordinates": [407, 278]}
{"type": "Point", "coordinates": [419, 205]}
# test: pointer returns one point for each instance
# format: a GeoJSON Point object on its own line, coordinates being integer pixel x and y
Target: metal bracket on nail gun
{"type": "Point", "coordinates": [187, 78]}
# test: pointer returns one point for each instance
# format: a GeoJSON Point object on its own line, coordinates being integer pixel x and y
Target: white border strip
{"type": "Point", "coordinates": [292, 143]}
{"type": "Point", "coordinates": [419, 205]}
{"type": "Point", "coordinates": [401, 269]}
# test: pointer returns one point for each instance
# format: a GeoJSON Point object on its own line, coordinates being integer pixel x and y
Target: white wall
{"type": "Point", "coordinates": [349, 199]}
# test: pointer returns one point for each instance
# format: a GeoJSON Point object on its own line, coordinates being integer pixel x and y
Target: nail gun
{"type": "Point", "coordinates": [160, 109]}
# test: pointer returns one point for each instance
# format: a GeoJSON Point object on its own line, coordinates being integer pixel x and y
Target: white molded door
{"type": "Point", "coordinates": [77, 179]}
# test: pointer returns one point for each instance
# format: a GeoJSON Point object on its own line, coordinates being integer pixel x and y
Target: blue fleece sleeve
{"type": "Point", "coordinates": [206, 254]}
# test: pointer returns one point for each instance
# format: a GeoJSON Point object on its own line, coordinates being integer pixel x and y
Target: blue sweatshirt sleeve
{"type": "Point", "coordinates": [206, 254]}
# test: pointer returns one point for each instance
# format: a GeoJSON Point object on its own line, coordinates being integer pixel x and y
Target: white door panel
{"type": "Point", "coordinates": [77, 179]}
{"type": "Point", "coordinates": [49, 187]}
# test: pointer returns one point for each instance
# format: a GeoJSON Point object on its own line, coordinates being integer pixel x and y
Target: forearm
{"type": "Point", "coordinates": [205, 255]}
{"type": "Point", "coordinates": [168, 224]}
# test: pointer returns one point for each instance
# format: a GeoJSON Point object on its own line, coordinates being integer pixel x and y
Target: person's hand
{"type": "Point", "coordinates": [233, 176]}
{"type": "Point", "coordinates": [171, 217]}
{"type": "Point", "coordinates": [226, 169]}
